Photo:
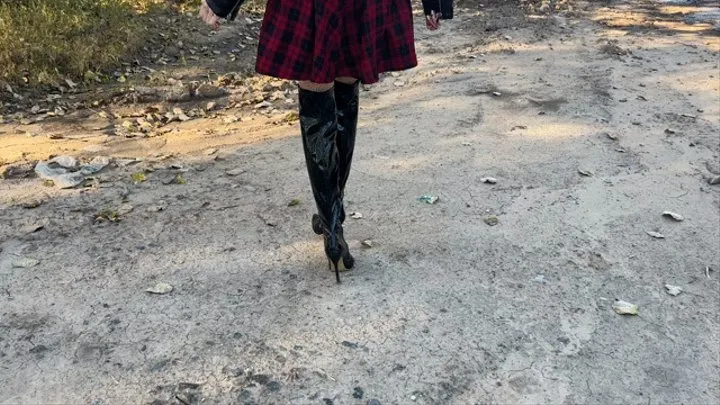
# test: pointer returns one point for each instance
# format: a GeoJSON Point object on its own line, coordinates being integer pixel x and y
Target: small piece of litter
{"type": "Point", "coordinates": [656, 235]}
{"type": "Point", "coordinates": [429, 199]}
{"type": "Point", "coordinates": [368, 243]}
{"type": "Point", "coordinates": [294, 202]}
{"type": "Point", "coordinates": [673, 290]}
{"type": "Point", "coordinates": [160, 288]}
{"type": "Point", "coordinates": [585, 173]}
{"type": "Point", "coordinates": [491, 220]}
{"type": "Point", "coordinates": [488, 180]}
{"type": "Point", "coordinates": [25, 263]}
{"type": "Point", "coordinates": [625, 308]}
{"type": "Point", "coordinates": [673, 215]}
{"type": "Point", "coordinates": [356, 215]}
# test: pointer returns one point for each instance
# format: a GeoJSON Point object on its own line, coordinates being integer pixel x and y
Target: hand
{"type": "Point", "coordinates": [432, 20]}
{"type": "Point", "coordinates": [208, 17]}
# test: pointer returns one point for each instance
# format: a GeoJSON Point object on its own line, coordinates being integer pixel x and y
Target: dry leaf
{"type": "Point", "coordinates": [656, 235]}
{"type": "Point", "coordinates": [139, 177]}
{"type": "Point", "coordinates": [625, 308]}
{"type": "Point", "coordinates": [491, 220]}
{"type": "Point", "coordinates": [294, 202]}
{"type": "Point", "coordinates": [585, 173]}
{"type": "Point", "coordinates": [368, 243]}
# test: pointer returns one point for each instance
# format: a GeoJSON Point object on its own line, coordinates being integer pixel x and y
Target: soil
{"type": "Point", "coordinates": [592, 118]}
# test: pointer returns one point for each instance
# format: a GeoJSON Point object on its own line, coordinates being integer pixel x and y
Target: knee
{"type": "Point", "coordinates": [315, 87]}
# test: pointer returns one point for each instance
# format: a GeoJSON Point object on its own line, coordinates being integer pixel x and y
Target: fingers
{"type": "Point", "coordinates": [433, 20]}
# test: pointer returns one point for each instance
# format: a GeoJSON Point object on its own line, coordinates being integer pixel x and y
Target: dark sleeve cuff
{"type": "Point", "coordinates": [444, 7]}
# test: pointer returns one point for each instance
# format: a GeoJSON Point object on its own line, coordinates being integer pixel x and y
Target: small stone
{"type": "Point", "coordinates": [234, 172]}
{"type": "Point", "coordinates": [358, 393]}
{"type": "Point", "coordinates": [206, 90]}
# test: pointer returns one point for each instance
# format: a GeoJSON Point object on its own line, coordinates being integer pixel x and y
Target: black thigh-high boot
{"type": "Point", "coordinates": [319, 127]}
{"type": "Point", "coordinates": [347, 105]}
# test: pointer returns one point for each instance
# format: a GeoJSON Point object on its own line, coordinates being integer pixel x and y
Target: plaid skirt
{"type": "Point", "coordinates": [320, 40]}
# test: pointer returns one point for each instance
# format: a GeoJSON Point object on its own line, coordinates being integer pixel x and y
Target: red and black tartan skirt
{"type": "Point", "coordinates": [320, 40]}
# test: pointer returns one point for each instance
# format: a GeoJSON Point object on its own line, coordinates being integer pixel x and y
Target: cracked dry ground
{"type": "Point", "coordinates": [443, 308]}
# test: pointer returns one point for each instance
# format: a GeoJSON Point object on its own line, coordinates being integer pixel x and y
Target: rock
{"type": "Point", "coordinates": [234, 172]}
{"type": "Point", "coordinates": [207, 90]}
{"type": "Point", "coordinates": [17, 171]}
{"type": "Point", "coordinates": [179, 95]}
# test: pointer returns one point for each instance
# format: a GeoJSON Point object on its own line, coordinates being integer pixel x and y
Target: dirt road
{"type": "Point", "coordinates": [593, 122]}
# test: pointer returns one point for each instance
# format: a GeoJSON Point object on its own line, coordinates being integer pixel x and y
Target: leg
{"type": "Point", "coordinates": [346, 101]}
{"type": "Point", "coordinates": [316, 87]}
{"type": "Point", "coordinates": [318, 123]}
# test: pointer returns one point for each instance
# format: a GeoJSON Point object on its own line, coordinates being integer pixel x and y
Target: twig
{"type": "Point", "coordinates": [181, 400]}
